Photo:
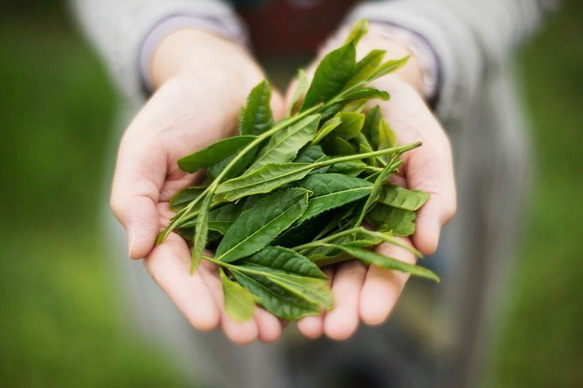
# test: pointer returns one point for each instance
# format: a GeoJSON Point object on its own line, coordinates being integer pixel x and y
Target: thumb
{"type": "Point", "coordinates": [139, 175]}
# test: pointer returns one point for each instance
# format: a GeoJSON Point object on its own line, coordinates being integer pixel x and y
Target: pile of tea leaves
{"type": "Point", "coordinates": [284, 198]}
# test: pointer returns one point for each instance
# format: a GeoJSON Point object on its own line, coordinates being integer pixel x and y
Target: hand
{"type": "Point", "coordinates": [369, 294]}
{"type": "Point", "coordinates": [202, 82]}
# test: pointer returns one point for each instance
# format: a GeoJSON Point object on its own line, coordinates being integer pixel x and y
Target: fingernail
{"type": "Point", "coordinates": [131, 239]}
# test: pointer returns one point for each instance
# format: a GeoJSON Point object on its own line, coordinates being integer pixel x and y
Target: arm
{"type": "Point", "coordinates": [199, 81]}
{"type": "Point", "coordinates": [469, 38]}
{"type": "Point", "coordinates": [118, 30]}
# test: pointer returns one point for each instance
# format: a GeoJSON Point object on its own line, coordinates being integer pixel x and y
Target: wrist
{"type": "Point", "coordinates": [195, 54]}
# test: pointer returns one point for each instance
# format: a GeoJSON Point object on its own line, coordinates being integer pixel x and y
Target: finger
{"type": "Point", "coordinates": [239, 332]}
{"type": "Point", "coordinates": [139, 174]}
{"type": "Point", "coordinates": [268, 325]}
{"type": "Point", "coordinates": [313, 326]}
{"type": "Point", "coordinates": [277, 104]}
{"type": "Point", "coordinates": [342, 321]}
{"type": "Point", "coordinates": [430, 169]}
{"type": "Point", "coordinates": [169, 266]}
{"type": "Point", "coordinates": [382, 287]}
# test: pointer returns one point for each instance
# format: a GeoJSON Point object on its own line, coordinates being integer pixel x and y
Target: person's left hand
{"type": "Point", "coordinates": [369, 294]}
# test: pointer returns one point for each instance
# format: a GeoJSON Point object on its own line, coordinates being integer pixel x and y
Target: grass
{"type": "Point", "coordinates": [59, 326]}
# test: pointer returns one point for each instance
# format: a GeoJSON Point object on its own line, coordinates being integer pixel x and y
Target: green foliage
{"type": "Point", "coordinates": [284, 198]}
{"type": "Point", "coordinates": [257, 117]}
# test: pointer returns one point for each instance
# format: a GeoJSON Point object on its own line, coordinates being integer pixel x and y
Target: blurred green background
{"type": "Point", "coordinates": [58, 321]}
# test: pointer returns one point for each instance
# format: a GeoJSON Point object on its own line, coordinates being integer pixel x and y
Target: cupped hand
{"type": "Point", "coordinates": [201, 83]}
{"type": "Point", "coordinates": [369, 294]}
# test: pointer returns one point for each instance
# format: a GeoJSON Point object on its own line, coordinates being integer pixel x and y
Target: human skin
{"type": "Point", "coordinates": [201, 81]}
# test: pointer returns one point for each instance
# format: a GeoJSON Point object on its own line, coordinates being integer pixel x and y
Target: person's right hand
{"type": "Point", "coordinates": [201, 84]}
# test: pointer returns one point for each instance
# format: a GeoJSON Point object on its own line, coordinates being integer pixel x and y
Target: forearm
{"type": "Point", "coordinates": [192, 53]}
{"type": "Point", "coordinates": [118, 30]}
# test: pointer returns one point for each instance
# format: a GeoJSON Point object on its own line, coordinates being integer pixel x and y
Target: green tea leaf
{"type": "Point", "coordinates": [302, 86]}
{"type": "Point", "coordinates": [241, 165]}
{"type": "Point", "coordinates": [213, 153]}
{"type": "Point", "coordinates": [221, 218]}
{"type": "Point", "coordinates": [331, 76]}
{"type": "Point", "coordinates": [397, 196]}
{"type": "Point", "coordinates": [385, 218]}
{"type": "Point", "coordinates": [331, 191]}
{"type": "Point", "coordinates": [281, 259]}
{"type": "Point", "coordinates": [264, 180]}
{"type": "Point", "coordinates": [370, 129]}
{"type": "Point", "coordinates": [388, 67]}
{"type": "Point", "coordinates": [310, 154]}
{"type": "Point", "coordinates": [366, 67]}
{"type": "Point", "coordinates": [261, 224]}
{"type": "Point", "coordinates": [367, 94]}
{"type": "Point", "coordinates": [359, 29]}
{"type": "Point", "coordinates": [182, 198]}
{"type": "Point", "coordinates": [328, 127]}
{"type": "Point", "coordinates": [338, 146]}
{"type": "Point", "coordinates": [200, 233]}
{"type": "Point", "coordinates": [387, 138]}
{"type": "Point", "coordinates": [380, 180]}
{"type": "Point", "coordinates": [257, 117]}
{"type": "Point", "coordinates": [285, 144]}
{"type": "Point", "coordinates": [276, 299]}
{"type": "Point", "coordinates": [351, 125]}
{"type": "Point", "coordinates": [348, 168]}
{"type": "Point", "coordinates": [382, 261]}
{"type": "Point", "coordinates": [239, 301]}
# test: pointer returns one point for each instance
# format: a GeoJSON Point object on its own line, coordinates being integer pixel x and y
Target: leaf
{"type": "Point", "coordinates": [221, 219]}
{"type": "Point", "coordinates": [388, 67]}
{"type": "Point", "coordinates": [276, 299]}
{"type": "Point", "coordinates": [213, 153]}
{"type": "Point", "coordinates": [380, 180]}
{"type": "Point", "coordinates": [264, 180]}
{"type": "Point", "coordinates": [359, 29]}
{"type": "Point", "coordinates": [239, 301]}
{"type": "Point", "coordinates": [216, 169]}
{"type": "Point", "coordinates": [351, 125]}
{"type": "Point", "coordinates": [387, 138]}
{"type": "Point", "coordinates": [328, 127]}
{"type": "Point", "coordinates": [285, 281]}
{"type": "Point", "coordinates": [304, 232]}
{"type": "Point", "coordinates": [331, 76]}
{"type": "Point", "coordinates": [397, 196]}
{"type": "Point", "coordinates": [366, 94]}
{"type": "Point", "coordinates": [257, 117]}
{"type": "Point", "coordinates": [348, 168]}
{"type": "Point", "coordinates": [366, 67]}
{"type": "Point", "coordinates": [285, 144]}
{"type": "Point", "coordinates": [382, 261]}
{"type": "Point", "coordinates": [385, 218]}
{"type": "Point", "coordinates": [261, 224]}
{"type": "Point", "coordinates": [370, 129]}
{"type": "Point", "coordinates": [285, 260]}
{"type": "Point", "coordinates": [355, 106]}
{"type": "Point", "coordinates": [338, 146]}
{"type": "Point", "coordinates": [331, 191]}
{"type": "Point", "coordinates": [302, 86]}
{"type": "Point", "coordinates": [200, 233]}
{"type": "Point", "coordinates": [182, 198]}
{"type": "Point", "coordinates": [310, 154]}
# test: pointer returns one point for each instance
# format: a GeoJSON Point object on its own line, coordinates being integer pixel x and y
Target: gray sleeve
{"type": "Point", "coordinates": [118, 29]}
{"type": "Point", "coordinates": [469, 37]}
